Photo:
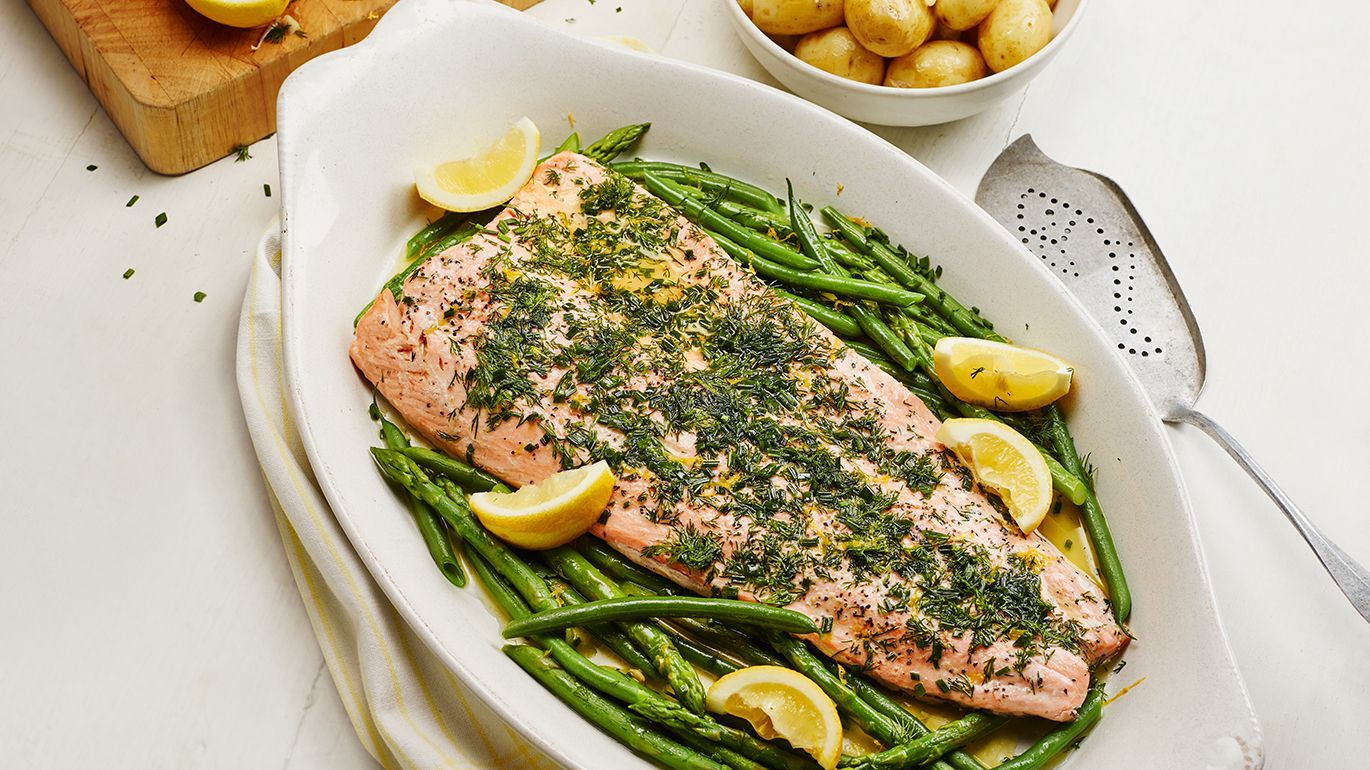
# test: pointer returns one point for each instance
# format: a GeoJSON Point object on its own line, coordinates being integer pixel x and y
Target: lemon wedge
{"type": "Point", "coordinates": [1005, 463]}
{"type": "Point", "coordinates": [780, 702]}
{"type": "Point", "coordinates": [998, 375]}
{"type": "Point", "coordinates": [240, 13]}
{"type": "Point", "coordinates": [550, 513]}
{"type": "Point", "coordinates": [488, 178]}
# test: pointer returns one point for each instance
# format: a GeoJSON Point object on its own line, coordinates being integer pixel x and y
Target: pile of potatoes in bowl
{"type": "Point", "coordinates": [908, 43]}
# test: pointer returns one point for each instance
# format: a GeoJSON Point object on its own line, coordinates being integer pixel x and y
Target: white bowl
{"type": "Point", "coordinates": [901, 106]}
{"type": "Point", "coordinates": [436, 75]}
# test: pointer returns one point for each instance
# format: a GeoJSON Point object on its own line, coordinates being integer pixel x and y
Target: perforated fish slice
{"type": "Point", "coordinates": [1088, 234]}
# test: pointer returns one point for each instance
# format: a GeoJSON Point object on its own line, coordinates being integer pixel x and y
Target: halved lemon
{"type": "Point", "coordinates": [551, 512]}
{"type": "Point", "coordinates": [488, 178]}
{"type": "Point", "coordinates": [780, 702]}
{"type": "Point", "coordinates": [1005, 463]}
{"type": "Point", "coordinates": [240, 13]}
{"type": "Point", "coordinates": [1000, 376]}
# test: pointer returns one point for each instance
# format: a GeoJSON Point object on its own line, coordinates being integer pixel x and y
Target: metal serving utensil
{"type": "Point", "coordinates": [1087, 232]}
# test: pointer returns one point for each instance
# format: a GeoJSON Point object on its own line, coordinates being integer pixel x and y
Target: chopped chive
{"type": "Point", "coordinates": [91, 167]}
{"type": "Point", "coordinates": [266, 188]}
{"type": "Point", "coordinates": [243, 153]}
{"type": "Point", "coordinates": [200, 296]}
{"type": "Point", "coordinates": [128, 274]}
{"type": "Point", "coordinates": [161, 219]}
{"type": "Point", "coordinates": [131, 201]}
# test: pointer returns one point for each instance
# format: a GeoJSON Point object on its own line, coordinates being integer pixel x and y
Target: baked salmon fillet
{"type": "Point", "coordinates": [757, 455]}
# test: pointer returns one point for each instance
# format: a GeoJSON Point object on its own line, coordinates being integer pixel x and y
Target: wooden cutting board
{"type": "Point", "coordinates": [184, 90]}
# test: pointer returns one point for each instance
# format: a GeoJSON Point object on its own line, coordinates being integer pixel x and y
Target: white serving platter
{"type": "Point", "coordinates": [438, 77]}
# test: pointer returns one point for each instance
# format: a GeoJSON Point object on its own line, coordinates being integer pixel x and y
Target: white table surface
{"type": "Point", "coordinates": [147, 615]}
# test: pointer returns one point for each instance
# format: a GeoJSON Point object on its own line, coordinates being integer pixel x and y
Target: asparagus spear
{"type": "Point", "coordinates": [719, 184]}
{"type": "Point", "coordinates": [612, 144]}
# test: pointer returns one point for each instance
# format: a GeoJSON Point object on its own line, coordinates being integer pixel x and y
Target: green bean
{"type": "Point", "coordinates": [430, 526]}
{"type": "Point", "coordinates": [450, 502]}
{"type": "Point", "coordinates": [468, 477]}
{"type": "Point", "coordinates": [965, 321]}
{"type": "Point", "coordinates": [809, 242]}
{"type": "Point", "coordinates": [867, 318]}
{"type": "Point", "coordinates": [846, 257]}
{"type": "Point", "coordinates": [626, 727]}
{"type": "Point", "coordinates": [842, 287]}
{"type": "Point", "coordinates": [1064, 481]}
{"type": "Point", "coordinates": [582, 574]}
{"type": "Point", "coordinates": [922, 750]}
{"type": "Point", "coordinates": [651, 607]}
{"type": "Point", "coordinates": [639, 698]}
{"type": "Point", "coordinates": [462, 234]}
{"type": "Point", "coordinates": [911, 380]}
{"type": "Point", "coordinates": [1040, 753]}
{"type": "Point", "coordinates": [609, 635]}
{"type": "Point", "coordinates": [734, 644]}
{"type": "Point", "coordinates": [736, 189]}
{"type": "Point", "coordinates": [969, 322]}
{"type": "Point", "coordinates": [618, 567]}
{"type": "Point", "coordinates": [612, 144]}
{"type": "Point", "coordinates": [699, 213]}
{"type": "Point", "coordinates": [1091, 516]}
{"type": "Point", "coordinates": [838, 322]}
{"type": "Point", "coordinates": [767, 223]}
{"type": "Point", "coordinates": [435, 229]}
{"type": "Point", "coordinates": [879, 726]}
{"type": "Point", "coordinates": [504, 595]}
{"type": "Point", "coordinates": [700, 655]}
{"type": "Point", "coordinates": [764, 221]}
{"type": "Point", "coordinates": [879, 332]}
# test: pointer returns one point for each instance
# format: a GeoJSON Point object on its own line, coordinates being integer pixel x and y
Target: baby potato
{"type": "Point", "coordinates": [935, 64]}
{"type": "Point", "coordinates": [838, 51]}
{"type": "Point", "coordinates": [963, 14]}
{"type": "Point", "coordinates": [746, 6]}
{"type": "Point", "coordinates": [1013, 31]}
{"type": "Point", "coordinates": [890, 27]}
{"type": "Point", "coordinates": [795, 17]}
